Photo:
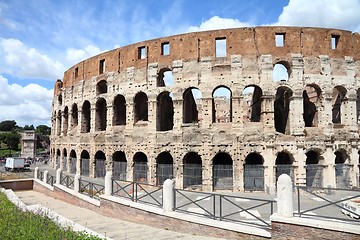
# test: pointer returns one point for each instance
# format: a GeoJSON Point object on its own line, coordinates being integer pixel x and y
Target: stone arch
{"type": "Point", "coordinates": [284, 165]}
{"type": "Point", "coordinates": [66, 120]}
{"type": "Point", "coordinates": [59, 122]}
{"type": "Point", "coordinates": [101, 115]}
{"type": "Point", "coordinates": [164, 167]}
{"type": "Point", "coordinates": [165, 78]}
{"type": "Point", "coordinates": [74, 115]}
{"type": "Point", "coordinates": [58, 154]}
{"type": "Point", "coordinates": [101, 87]}
{"type": "Point", "coordinates": [192, 175]}
{"type": "Point", "coordinates": [342, 169]}
{"type": "Point", "coordinates": [100, 162]}
{"type": "Point", "coordinates": [165, 112]}
{"type": "Point", "coordinates": [282, 109]}
{"type": "Point", "coordinates": [72, 162]}
{"type": "Point", "coordinates": [311, 100]}
{"type": "Point", "coordinates": [85, 163]}
{"type": "Point", "coordinates": [140, 107]}
{"type": "Point", "coordinates": [222, 171]}
{"type": "Point", "coordinates": [314, 171]}
{"type": "Point", "coordinates": [86, 117]}
{"type": "Point", "coordinates": [281, 71]}
{"type": "Point", "coordinates": [254, 172]}
{"type": "Point", "coordinates": [252, 99]}
{"type": "Point", "coordinates": [119, 165]}
{"type": "Point", "coordinates": [191, 105]}
{"type": "Point", "coordinates": [221, 104]}
{"type": "Point", "coordinates": [119, 110]}
{"type": "Point", "coordinates": [140, 172]}
{"type": "Point", "coordinates": [60, 99]}
{"type": "Point", "coordinates": [338, 96]}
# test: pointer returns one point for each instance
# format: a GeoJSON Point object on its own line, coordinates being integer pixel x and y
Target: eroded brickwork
{"type": "Point", "coordinates": [153, 110]}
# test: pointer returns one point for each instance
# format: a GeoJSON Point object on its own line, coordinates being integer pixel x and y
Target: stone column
{"type": "Point", "coordinates": [108, 183]}
{"type": "Point", "coordinates": [58, 176]}
{"type": "Point", "coordinates": [36, 172]}
{"type": "Point", "coordinates": [296, 123]}
{"type": "Point", "coordinates": [92, 119]}
{"type": "Point", "coordinates": [285, 196]}
{"type": "Point", "coordinates": [169, 195]}
{"type": "Point", "coordinates": [46, 172]}
{"type": "Point", "coordinates": [77, 182]}
{"type": "Point", "coordinates": [329, 178]}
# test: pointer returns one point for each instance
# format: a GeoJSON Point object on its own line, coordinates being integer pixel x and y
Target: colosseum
{"type": "Point", "coordinates": [216, 110]}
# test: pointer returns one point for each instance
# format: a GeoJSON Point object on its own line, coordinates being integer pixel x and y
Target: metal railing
{"type": "Point", "coordinates": [67, 181]}
{"type": "Point", "coordinates": [327, 203]}
{"type": "Point", "coordinates": [40, 175]}
{"type": "Point", "coordinates": [91, 189]}
{"type": "Point", "coordinates": [138, 192]}
{"type": "Point", "coordinates": [50, 179]}
{"type": "Point", "coordinates": [225, 207]}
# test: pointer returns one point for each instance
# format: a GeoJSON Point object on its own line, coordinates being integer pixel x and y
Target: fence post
{"type": "Point", "coordinates": [77, 183]}
{"type": "Point", "coordinates": [46, 172]}
{"type": "Point", "coordinates": [169, 195]}
{"type": "Point", "coordinates": [58, 176]}
{"type": "Point", "coordinates": [108, 183]}
{"type": "Point", "coordinates": [36, 172]}
{"type": "Point", "coordinates": [284, 196]}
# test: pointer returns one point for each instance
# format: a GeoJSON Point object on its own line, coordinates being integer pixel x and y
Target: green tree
{"type": "Point", "coordinates": [11, 139]}
{"type": "Point", "coordinates": [43, 130]}
{"type": "Point", "coordinates": [8, 125]}
{"type": "Point", "coordinates": [27, 127]}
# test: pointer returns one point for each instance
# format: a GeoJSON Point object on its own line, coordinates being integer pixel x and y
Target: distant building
{"type": "Point", "coordinates": [28, 144]}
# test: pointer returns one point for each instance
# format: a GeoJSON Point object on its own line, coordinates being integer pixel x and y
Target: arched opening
{"type": "Point", "coordinates": [192, 176]}
{"type": "Point", "coordinates": [85, 163]}
{"type": "Point", "coordinates": [64, 168]}
{"type": "Point", "coordinates": [119, 117]}
{"type": "Point", "coordinates": [66, 120]}
{"type": "Point", "coordinates": [164, 167]}
{"type": "Point", "coordinates": [314, 171]}
{"type": "Point", "coordinates": [338, 97]}
{"type": "Point", "coordinates": [100, 117]}
{"type": "Point", "coordinates": [221, 105]}
{"type": "Point", "coordinates": [140, 107]}
{"type": "Point", "coordinates": [119, 165]}
{"type": "Point", "coordinates": [74, 115]}
{"type": "Point", "coordinates": [281, 71]}
{"type": "Point", "coordinates": [140, 167]}
{"type": "Point", "coordinates": [311, 96]}
{"type": "Point", "coordinates": [282, 109]}
{"type": "Point", "coordinates": [254, 172]}
{"type": "Point", "coordinates": [58, 158]}
{"type": "Point", "coordinates": [73, 161]}
{"type": "Point", "coordinates": [60, 99]}
{"type": "Point", "coordinates": [59, 121]}
{"type": "Point", "coordinates": [252, 103]}
{"type": "Point", "coordinates": [192, 105]}
{"type": "Point", "coordinates": [100, 161]}
{"type": "Point", "coordinates": [86, 117]}
{"type": "Point", "coordinates": [358, 109]}
{"type": "Point", "coordinates": [342, 169]}
{"type": "Point", "coordinates": [222, 171]}
{"type": "Point", "coordinates": [165, 112]}
{"type": "Point", "coordinates": [165, 78]}
{"type": "Point", "coordinates": [101, 87]}
{"type": "Point", "coordinates": [283, 165]}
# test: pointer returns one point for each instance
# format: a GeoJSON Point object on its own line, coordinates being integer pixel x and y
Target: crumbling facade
{"type": "Point", "coordinates": [226, 109]}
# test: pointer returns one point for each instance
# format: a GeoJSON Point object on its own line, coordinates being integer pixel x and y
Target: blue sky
{"type": "Point", "coordinates": [40, 39]}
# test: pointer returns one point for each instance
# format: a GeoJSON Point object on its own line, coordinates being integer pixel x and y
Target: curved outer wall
{"type": "Point", "coordinates": [325, 60]}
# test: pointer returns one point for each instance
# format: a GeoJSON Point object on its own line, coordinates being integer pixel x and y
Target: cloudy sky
{"type": "Point", "coordinates": [40, 39]}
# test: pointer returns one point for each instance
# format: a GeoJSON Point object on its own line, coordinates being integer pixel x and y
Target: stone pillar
{"type": "Point", "coordinates": [296, 122]}
{"type": "Point", "coordinates": [79, 125]}
{"type": "Point", "coordinates": [108, 183]}
{"type": "Point", "coordinates": [109, 116]}
{"type": "Point", "coordinates": [329, 178]}
{"type": "Point", "coordinates": [61, 159]}
{"type": "Point", "coordinates": [36, 172]}
{"type": "Point", "coordinates": [45, 176]}
{"type": "Point", "coordinates": [237, 111]}
{"type": "Point", "coordinates": [58, 176]}
{"type": "Point", "coordinates": [169, 195]}
{"type": "Point", "coordinates": [285, 196]}
{"type": "Point", "coordinates": [92, 118]}
{"type": "Point", "coordinates": [152, 108]}
{"type": "Point", "coordinates": [77, 182]}
{"type": "Point", "coordinates": [300, 171]}
{"type": "Point", "coordinates": [178, 111]}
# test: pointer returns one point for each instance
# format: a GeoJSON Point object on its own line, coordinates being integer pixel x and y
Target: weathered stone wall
{"type": "Point", "coordinates": [309, 57]}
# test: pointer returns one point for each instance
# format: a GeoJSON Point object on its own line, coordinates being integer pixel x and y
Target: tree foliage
{"type": "Point", "coordinates": [43, 130]}
{"type": "Point", "coordinates": [11, 139]}
{"type": "Point", "coordinates": [8, 126]}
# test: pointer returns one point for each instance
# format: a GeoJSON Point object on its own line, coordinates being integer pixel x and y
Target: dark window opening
{"type": "Point", "coordinates": [101, 87]}
{"type": "Point", "coordinates": [119, 165]}
{"type": "Point", "coordinates": [338, 97]}
{"type": "Point", "coordinates": [140, 167]}
{"type": "Point", "coordinates": [59, 121]}
{"type": "Point", "coordinates": [140, 107]}
{"type": "Point", "coordinates": [281, 110]}
{"type": "Point", "coordinates": [100, 162]}
{"type": "Point", "coordinates": [252, 103]}
{"type": "Point", "coordinates": [221, 105]}
{"type": "Point", "coordinates": [102, 66]}
{"type": "Point", "coordinates": [76, 72]}
{"type": "Point", "coordinates": [100, 117]}
{"type": "Point", "coordinates": [165, 48]}
{"type": "Point", "coordinates": [86, 117]}
{"type": "Point", "coordinates": [165, 78]}
{"type": "Point", "coordinates": [334, 41]}
{"type": "Point", "coordinates": [119, 117]}
{"type": "Point", "coordinates": [164, 167]}
{"type": "Point", "coordinates": [311, 96]}
{"type": "Point", "coordinates": [192, 170]}
{"type": "Point", "coordinates": [66, 120]}
{"type": "Point", "coordinates": [220, 47]}
{"type": "Point", "coordinates": [85, 163]}
{"type": "Point", "coordinates": [191, 105]}
{"type": "Point", "coordinates": [165, 112]}
{"type": "Point", "coordinates": [72, 162]}
{"type": "Point", "coordinates": [222, 171]}
{"type": "Point", "coordinates": [280, 39]}
{"type": "Point", "coordinates": [141, 53]}
{"type": "Point", "coordinates": [60, 99]}
{"type": "Point", "coordinates": [74, 116]}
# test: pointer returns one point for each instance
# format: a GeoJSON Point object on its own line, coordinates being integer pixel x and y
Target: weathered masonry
{"type": "Point", "coordinates": [226, 109]}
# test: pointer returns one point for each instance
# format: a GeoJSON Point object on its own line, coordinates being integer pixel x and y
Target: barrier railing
{"type": "Point", "coordinates": [67, 181]}
{"type": "Point", "coordinates": [91, 189]}
{"type": "Point", "coordinates": [40, 175]}
{"type": "Point", "coordinates": [328, 203]}
{"type": "Point", "coordinates": [50, 180]}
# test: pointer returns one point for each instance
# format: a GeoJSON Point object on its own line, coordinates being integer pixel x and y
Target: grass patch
{"type": "Point", "coordinates": [18, 225]}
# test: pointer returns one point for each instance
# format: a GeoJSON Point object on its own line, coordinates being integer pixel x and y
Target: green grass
{"type": "Point", "coordinates": [18, 225]}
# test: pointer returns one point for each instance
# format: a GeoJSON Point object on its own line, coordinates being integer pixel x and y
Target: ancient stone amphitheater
{"type": "Point", "coordinates": [217, 110]}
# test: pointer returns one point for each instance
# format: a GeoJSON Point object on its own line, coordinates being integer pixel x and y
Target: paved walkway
{"type": "Point", "coordinates": [109, 227]}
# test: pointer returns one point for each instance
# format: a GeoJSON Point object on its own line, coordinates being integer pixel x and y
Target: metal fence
{"type": "Point", "coordinates": [342, 175]}
{"type": "Point", "coordinates": [326, 203]}
{"type": "Point", "coordinates": [254, 177]}
{"type": "Point", "coordinates": [73, 165]}
{"type": "Point", "coordinates": [85, 167]}
{"type": "Point", "coordinates": [50, 179]}
{"type": "Point", "coordinates": [65, 164]}
{"type": "Point", "coordinates": [119, 170]}
{"type": "Point", "coordinates": [225, 207]}
{"type": "Point", "coordinates": [67, 181]}
{"type": "Point", "coordinates": [100, 167]}
{"type": "Point", "coordinates": [163, 172]}
{"type": "Point", "coordinates": [192, 175]}
{"type": "Point", "coordinates": [93, 190]}
{"type": "Point", "coordinates": [223, 177]}
{"type": "Point", "coordinates": [40, 174]}
{"type": "Point", "coordinates": [140, 172]}
{"type": "Point", "coordinates": [314, 175]}
{"type": "Point", "coordinates": [284, 169]}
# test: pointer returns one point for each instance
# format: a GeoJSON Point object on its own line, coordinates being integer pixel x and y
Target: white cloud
{"type": "Point", "coordinates": [342, 14]}
{"type": "Point", "coordinates": [25, 62]}
{"type": "Point", "coordinates": [219, 23]}
{"type": "Point", "coordinates": [26, 105]}
{"type": "Point", "coordinates": [77, 55]}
